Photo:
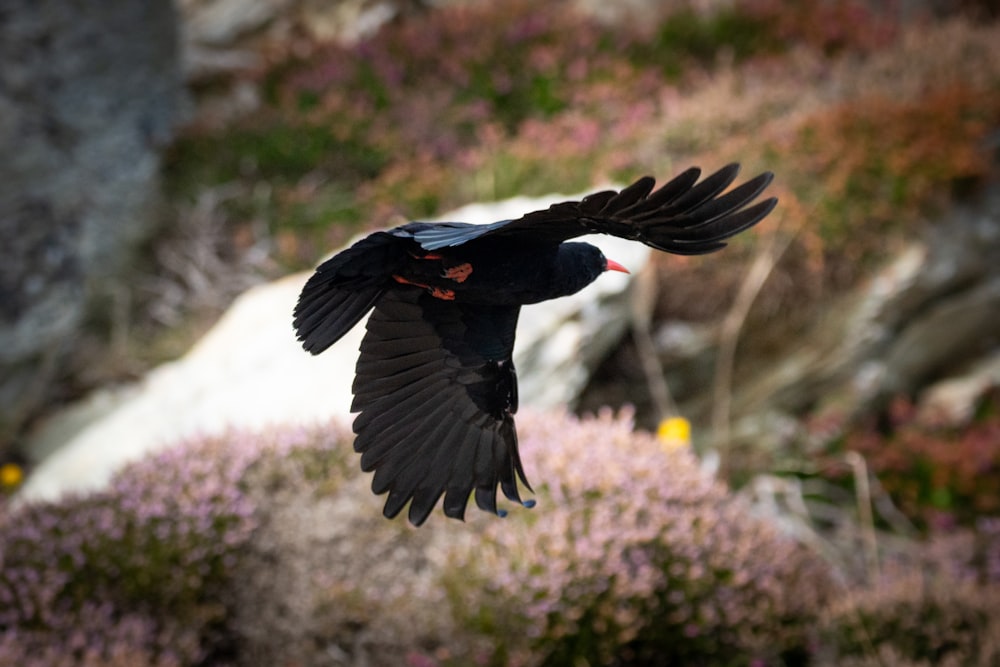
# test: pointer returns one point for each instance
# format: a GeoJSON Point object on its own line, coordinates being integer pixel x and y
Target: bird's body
{"type": "Point", "coordinates": [435, 383]}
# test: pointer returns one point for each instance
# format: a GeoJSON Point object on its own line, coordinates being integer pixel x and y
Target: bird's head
{"type": "Point", "coordinates": [578, 265]}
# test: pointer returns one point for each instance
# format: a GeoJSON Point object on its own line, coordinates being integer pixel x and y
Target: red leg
{"type": "Point", "coordinates": [407, 281]}
{"type": "Point", "coordinates": [436, 292]}
{"type": "Point", "coordinates": [459, 273]}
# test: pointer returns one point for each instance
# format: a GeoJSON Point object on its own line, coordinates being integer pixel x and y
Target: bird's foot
{"type": "Point", "coordinates": [458, 273]}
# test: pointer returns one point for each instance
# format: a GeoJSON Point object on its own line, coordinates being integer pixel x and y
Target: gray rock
{"type": "Point", "coordinates": [223, 37]}
{"type": "Point", "coordinates": [89, 93]}
{"type": "Point", "coordinates": [952, 401]}
{"type": "Point", "coordinates": [933, 310]}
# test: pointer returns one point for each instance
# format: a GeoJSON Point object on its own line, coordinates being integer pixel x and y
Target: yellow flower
{"type": "Point", "coordinates": [11, 475]}
{"type": "Point", "coordinates": [674, 433]}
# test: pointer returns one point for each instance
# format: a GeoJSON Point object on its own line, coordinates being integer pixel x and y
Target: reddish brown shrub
{"type": "Point", "coordinates": [935, 474]}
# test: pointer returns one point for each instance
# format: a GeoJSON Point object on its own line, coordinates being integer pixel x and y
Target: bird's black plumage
{"type": "Point", "coordinates": [435, 385]}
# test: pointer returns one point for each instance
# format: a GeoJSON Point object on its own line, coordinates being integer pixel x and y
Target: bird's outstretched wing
{"type": "Point", "coordinates": [684, 216]}
{"type": "Point", "coordinates": [436, 390]}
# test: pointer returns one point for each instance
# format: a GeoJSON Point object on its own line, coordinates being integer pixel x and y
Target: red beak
{"type": "Point", "coordinates": [612, 265]}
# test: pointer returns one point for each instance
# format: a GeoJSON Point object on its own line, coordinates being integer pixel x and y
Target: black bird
{"type": "Point", "coordinates": [435, 384]}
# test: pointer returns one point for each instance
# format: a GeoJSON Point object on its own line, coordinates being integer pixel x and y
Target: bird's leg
{"type": "Point", "coordinates": [458, 273]}
{"type": "Point", "coordinates": [436, 292]}
{"type": "Point", "coordinates": [430, 255]}
{"type": "Point", "coordinates": [443, 294]}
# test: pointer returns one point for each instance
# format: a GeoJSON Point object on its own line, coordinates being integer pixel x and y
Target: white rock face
{"type": "Point", "coordinates": [249, 371]}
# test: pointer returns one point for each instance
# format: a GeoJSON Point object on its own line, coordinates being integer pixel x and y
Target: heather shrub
{"type": "Point", "coordinates": [934, 603]}
{"type": "Point", "coordinates": [443, 92]}
{"type": "Point", "coordinates": [326, 580]}
{"type": "Point", "coordinates": [827, 25]}
{"type": "Point", "coordinates": [968, 554]}
{"type": "Point", "coordinates": [634, 555]}
{"type": "Point", "coordinates": [133, 574]}
{"type": "Point", "coordinates": [685, 37]}
{"type": "Point", "coordinates": [877, 158]}
{"type": "Point", "coordinates": [271, 549]}
{"type": "Point", "coordinates": [915, 619]}
{"type": "Point", "coordinates": [99, 635]}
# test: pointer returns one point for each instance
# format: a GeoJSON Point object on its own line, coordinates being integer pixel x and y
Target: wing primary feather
{"type": "Point", "coordinates": [375, 445]}
{"type": "Point", "coordinates": [408, 459]}
{"type": "Point", "coordinates": [384, 349]}
{"type": "Point", "coordinates": [689, 250]}
{"type": "Point", "coordinates": [423, 503]}
{"type": "Point", "coordinates": [434, 485]}
{"type": "Point", "coordinates": [486, 500]}
{"type": "Point", "coordinates": [672, 189]}
{"type": "Point", "coordinates": [713, 230]}
{"type": "Point", "coordinates": [733, 200]}
{"type": "Point", "coordinates": [376, 385]}
{"type": "Point", "coordinates": [457, 491]}
{"type": "Point", "coordinates": [421, 469]}
{"type": "Point", "coordinates": [401, 466]}
{"type": "Point", "coordinates": [593, 203]}
{"type": "Point", "coordinates": [734, 224]}
{"type": "Point", "coordinates": [709, 187]}
{"type": "Point", "coordinates": [485, 474]}
{"type": "Point", "coordinates": [629, 196]}
{"type": "Point", "coordinates": [372, 373]}
{"type": "Point", "coordinates": [387, 409]}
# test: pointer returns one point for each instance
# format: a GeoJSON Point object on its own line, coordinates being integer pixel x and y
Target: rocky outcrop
{"type": "Point", "coordinates": [222, 40]}
{"type": "Point", "coordinates": [931, 314]}
{"type": "Point", "coordinates": [223, 37]}
{"type": "Point", "coordinates": [89, 94]}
